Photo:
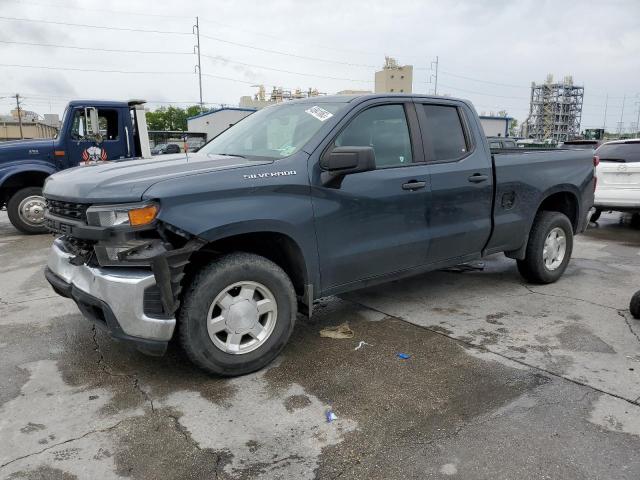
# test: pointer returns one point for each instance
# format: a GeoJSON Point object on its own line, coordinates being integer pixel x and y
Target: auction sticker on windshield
{"type": "Point", "coordinates": [319, 113]}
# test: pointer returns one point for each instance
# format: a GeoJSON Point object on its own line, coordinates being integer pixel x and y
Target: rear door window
{"type": "Point", "coordinates": [619, 152]}
{"type": "Point", "coordinates": [445, 132]}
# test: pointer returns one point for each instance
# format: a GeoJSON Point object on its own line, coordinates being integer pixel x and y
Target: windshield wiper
{"type": "Point", "coordinates": [227, 155]}
{"type": "Point", "coordinates": [619, 160]}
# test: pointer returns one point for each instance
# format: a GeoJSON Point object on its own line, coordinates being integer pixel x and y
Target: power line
{"type": "Point", "coordinates": [98, 10]}
{"type": "Point", "coordinates": [71, 69]}
{"type": "Point", "coordinates": [288, 54]}
{"type": "Point", "coordinates": [480, 93]}
{"type": "Point", "coordinates": [96, 49]}
{"type": "Point", "coordinates": [483, 81]}
{"type": "Point", "coordinates": [101, 27]}
{"type": "Point", "coordinates": [225, 60]}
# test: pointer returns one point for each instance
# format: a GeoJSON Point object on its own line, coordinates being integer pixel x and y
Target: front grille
{"type": "Point", "coordinates": [75, 211]}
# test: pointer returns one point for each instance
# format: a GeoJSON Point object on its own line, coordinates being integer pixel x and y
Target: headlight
{"type": "Point", "coordinates": [134, 215]}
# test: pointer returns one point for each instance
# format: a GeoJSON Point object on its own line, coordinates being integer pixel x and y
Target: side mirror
{"type": "Point", "coordinates": [348, 160]}
{"type": "Point", "coordinates": [93, 127]}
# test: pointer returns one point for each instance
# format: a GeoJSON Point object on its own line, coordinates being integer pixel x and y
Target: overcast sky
{"type": "Point", "coordinates": [480, 43]}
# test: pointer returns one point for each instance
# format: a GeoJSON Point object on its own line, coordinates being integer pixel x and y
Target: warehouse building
{"type": "Point", "coordinates": [33, 125]}
{"type": "Point", "coordinates": [495, 126]}
{"type": "Point", "coordinates": [215, 122]}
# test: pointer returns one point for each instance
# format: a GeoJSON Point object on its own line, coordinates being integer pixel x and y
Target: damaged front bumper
{"type": "Point", "coordinates": [117, 298]}
{"type": "Point", "coordinates": [133, 304]}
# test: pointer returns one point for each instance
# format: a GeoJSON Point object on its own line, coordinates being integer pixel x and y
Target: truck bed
{"type": "Point", "coordinates": [524, 177]}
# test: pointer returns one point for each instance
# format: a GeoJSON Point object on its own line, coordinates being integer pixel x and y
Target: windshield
{"type": "Point", "coordinates": [62, 122]}
{"type": "Point", "coordinates": [619, 152]}
{"type": "Point", "coordinates": [274, 132]}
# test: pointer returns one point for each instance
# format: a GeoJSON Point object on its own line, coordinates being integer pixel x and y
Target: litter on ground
{"type": "Point", "coordinates": [341, 331]}
{"type": "Point", "coordinates": [362, 344]}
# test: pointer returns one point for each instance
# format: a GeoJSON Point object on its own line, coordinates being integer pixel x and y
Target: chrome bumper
{"type": "Point", "coordinates": [121, 289]}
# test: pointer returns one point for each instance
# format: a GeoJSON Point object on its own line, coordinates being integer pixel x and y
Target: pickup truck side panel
{"type": "Point", "coordinates": [524, 180]}
{"type": "Point", "coordinates": [266, 197]}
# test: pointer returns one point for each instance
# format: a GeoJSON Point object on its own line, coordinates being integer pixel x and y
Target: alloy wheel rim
{"type": "Point", "coordinates": [31, 210]}
{"type": "Point", "coordinates": [555, 249]}
{"type": "Point", "coordinates": [242, 317]}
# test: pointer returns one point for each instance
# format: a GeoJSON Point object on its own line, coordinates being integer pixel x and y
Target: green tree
{"type": "Point", "coordinates": [171, 118]}
{"type": "Point", "coordinates": [513, 128]}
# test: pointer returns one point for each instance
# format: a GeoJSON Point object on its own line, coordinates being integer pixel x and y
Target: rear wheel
{"type": "Point", "coordinates": [237, 315]}
{"type": "Point", "coordinates": [26, 210]}
{"type": "Point", "coordinates": [596, 215]}
{"type": "Point", "coordinates": [549, 248]}
{"type": "Point", "coordinates": [634, 306]}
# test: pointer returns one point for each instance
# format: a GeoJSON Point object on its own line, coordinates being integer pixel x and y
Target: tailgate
{"type": "Point", "coordinates": [619, 174]}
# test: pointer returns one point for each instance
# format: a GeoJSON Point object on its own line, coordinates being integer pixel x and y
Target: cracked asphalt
{"type": "Point", "coordinates": [505, 380]}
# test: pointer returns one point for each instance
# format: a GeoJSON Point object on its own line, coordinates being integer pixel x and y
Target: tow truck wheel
{"type": "Point", "coordinates": [237, 314]}
{"type": "Point", "coordinates": [26, 210]}
{"type": "Point", "coordinates": [549, 248]}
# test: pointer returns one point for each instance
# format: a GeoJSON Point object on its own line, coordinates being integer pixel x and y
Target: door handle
{"type": "Point", "coordinates": [477, 178]}
{"type": "Point", "coordinates": [413, 185]}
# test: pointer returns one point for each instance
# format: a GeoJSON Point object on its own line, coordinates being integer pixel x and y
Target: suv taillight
{"type": "Point", "coordinates": [596, 160]}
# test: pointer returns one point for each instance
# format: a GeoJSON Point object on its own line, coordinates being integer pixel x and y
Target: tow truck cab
{"type": "Point", "coordinates": [91, 131]}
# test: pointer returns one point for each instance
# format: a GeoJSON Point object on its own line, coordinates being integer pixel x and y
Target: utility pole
{"type": "Point", "coordinates": [604, 120]}
{"type": "Point", "coordinates": [435, 77]}
{"type": "Point", "coordinates": [624, 98]}
{"type": "Point", "coordinates": [196, 30]}
{"type": "Point", "coordinates": [638, 117]}
{"type": "Point", "coordinates": [19, 114]}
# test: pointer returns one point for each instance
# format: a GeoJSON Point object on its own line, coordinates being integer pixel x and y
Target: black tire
{"type": "Point", "coordinates": [533, 267]}
{"type": "Point", "coordinates": [202, 291]}
{"type": "Point", "coordinates": [634, 305]}
{"type": "Point", "coordinates": [596, 215]}
{"type": "Point", "coordinates": [13, 211]}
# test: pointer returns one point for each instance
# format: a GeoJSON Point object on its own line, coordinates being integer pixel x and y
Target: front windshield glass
{"type": "Point", "coordinates": [274, 132]}
{"type": "Point", "coordinates": [62, 122]}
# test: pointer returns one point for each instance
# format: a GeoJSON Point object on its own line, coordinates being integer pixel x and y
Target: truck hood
{"type": "Point", "coordinates": [127, 180]}
{"type": "Point", "coordinates": [25, 149]}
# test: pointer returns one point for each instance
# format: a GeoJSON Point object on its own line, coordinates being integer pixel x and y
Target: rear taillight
{"type": "Point", "coordinates": [596, 160]}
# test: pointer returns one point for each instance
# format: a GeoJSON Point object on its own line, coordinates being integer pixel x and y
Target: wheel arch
{"type": "Point", "coordinates": [563, 199]}
{"type": "Point", "coordinates": [277, 246]}
{"type": "Point", "coordinates": [17, 179]}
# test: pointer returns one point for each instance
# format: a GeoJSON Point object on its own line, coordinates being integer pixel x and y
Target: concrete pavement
{"type": "Point", "coordinates": [505, 380]}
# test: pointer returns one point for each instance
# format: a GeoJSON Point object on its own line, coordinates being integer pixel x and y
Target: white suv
{"type": "Point", "coordinates": [618, 173]}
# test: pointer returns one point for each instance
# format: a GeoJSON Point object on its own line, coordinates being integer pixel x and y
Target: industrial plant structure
{"type": "Point", "coordinates": [555, 111]}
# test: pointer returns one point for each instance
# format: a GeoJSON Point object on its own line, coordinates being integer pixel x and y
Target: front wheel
{"type": "Point", "coordinates": [549, 248]}
{"type": "Point", "coordinates": [237, 314]}
{"type": "Point", "coordinates": [26, 208]}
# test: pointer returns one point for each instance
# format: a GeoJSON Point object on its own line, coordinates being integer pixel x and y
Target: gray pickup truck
{"type": "Point", "coordinates": [298, 201]}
